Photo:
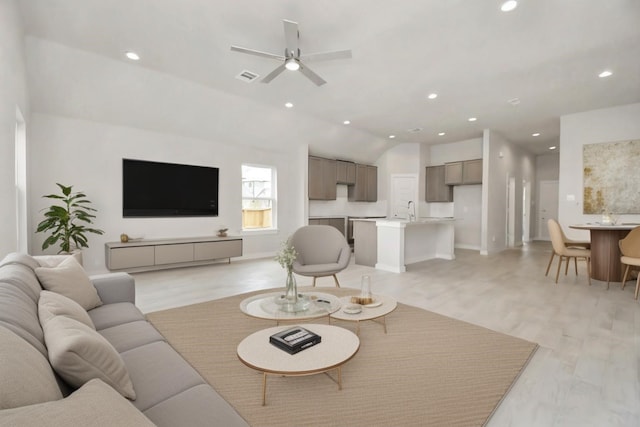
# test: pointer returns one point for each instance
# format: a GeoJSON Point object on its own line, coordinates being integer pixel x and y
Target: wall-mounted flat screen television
{"type": "Point", "coordinates": [154, 189]}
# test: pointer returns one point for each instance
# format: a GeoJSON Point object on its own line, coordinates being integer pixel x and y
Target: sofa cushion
{"type": "Point", "coordinates": [25, 374]}
{"type": "Point", "coordinates": [52, 304]}
{"type": "Point", "coordinates": [158, 372]}
{"type": "Point", "coordinates": [23, 278]}
{"type": "Point", "coordinates": [70, 280]}
{"type": "Point", "coordinates": [131, 335]}
{"type": "Point", "coordinates": [19, 313]}
{"type": "Point", "coordinates": [109, 315]}
{"type": "Point", "coordinates": [199, 406]}
{"type": "Point", "coordinates": [95, 404]}
{"type": "Point", "coordinates": [79, 354]}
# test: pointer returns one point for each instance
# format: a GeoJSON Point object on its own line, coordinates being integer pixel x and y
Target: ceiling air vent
{"type": "Point", "coordinates": [247, 76]}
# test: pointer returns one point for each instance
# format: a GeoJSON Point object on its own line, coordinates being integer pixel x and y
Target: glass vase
{"type": "Point", "coordinates": [291, 293]}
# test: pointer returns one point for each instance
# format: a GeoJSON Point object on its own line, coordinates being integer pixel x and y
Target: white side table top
{"type": "Point", "coordinates": [337, 347]}
{"type": "Point", "coordinates": [368, 313]}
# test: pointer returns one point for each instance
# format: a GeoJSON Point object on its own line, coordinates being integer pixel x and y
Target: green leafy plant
{"type": "Point", "coordinates": [68, 223]}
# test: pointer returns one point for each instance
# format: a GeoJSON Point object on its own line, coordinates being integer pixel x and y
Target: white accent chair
{"type": "Point", "coordinates": [322, 251]}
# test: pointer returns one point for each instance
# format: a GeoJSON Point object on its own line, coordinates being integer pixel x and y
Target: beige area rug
{"type": "Point", "coordinates": [427, 370]}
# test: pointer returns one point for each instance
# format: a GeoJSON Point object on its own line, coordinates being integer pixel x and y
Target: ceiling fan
{"type": "Point", "coordinates": [292, 59]}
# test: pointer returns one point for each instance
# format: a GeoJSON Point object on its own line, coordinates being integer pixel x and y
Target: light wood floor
{"type": "Point", "coordinates": [586, 372]}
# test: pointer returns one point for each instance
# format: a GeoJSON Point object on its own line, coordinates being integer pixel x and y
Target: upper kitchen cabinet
{"type": "Point", "coordinates": [365, 188]}
{"type": "Point", "coordinates": [346, 172]}
{"type": "Point", "coordinates": [466, 172]}
{"type": "Point", "coordinates": [472, 172]}
{"type": "Point", "coordinates": [436, 189]}
{"type": "Point", "coordinates": [322, 179]}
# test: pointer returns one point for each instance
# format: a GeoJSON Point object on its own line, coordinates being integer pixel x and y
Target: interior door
{"type": "Point", "coordinates": [547, 207]}
{"type": "Point", "coordinates": [404, 188]}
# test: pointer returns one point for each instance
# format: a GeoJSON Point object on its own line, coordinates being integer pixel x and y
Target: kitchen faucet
{"type": "Point", "coordinates": [411, 210]}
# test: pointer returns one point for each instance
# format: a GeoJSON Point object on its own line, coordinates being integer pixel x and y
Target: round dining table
{"type": "Point", "coordinates": [605, 252]}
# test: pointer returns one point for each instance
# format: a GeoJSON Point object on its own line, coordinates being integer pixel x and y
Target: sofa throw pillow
{"type": "Point", "coordinates": [52, 304]}
{"type": "Point", "coordinates": [79, 354]}
{"type": "Point", "coordinates": [25, 374]}
{"type": "Point", "coordinates": [95, 404]}
{"type": "Point", "coordinates": [70, 280]}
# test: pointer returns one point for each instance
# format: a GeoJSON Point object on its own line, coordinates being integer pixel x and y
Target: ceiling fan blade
{"type": "Point", "coordinates": [257, 53]}
{"type": "Point", "coordinates": [291, 37]}
{"type": "Point", "coordinates": [324, 56]}
{"type": "Point", "coordinates": [272, 75]}
{"type": "Point", "coordinates": [319, 81]}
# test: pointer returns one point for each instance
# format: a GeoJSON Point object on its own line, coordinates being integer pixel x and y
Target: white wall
{"type": "Point", "coordinates": [591, 127]}
{"type": "Point", "coordinates": [13, 94]}
{"type": "Point", "coordinates": [88, 155]}
{"type": "Point", "coordinates": [503, 160]}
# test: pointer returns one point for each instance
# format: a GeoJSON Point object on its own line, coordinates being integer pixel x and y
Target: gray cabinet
{"type": "Point", "coordinates": [147, 255]}
{"type": "Point", "coordinates": [345, 172]}
{"type": "Point", "coordinates": [322, 179]}
{"type": "Point", "coordinates": [366, 187]}
{"type": "Point", "coordinates": [453, 173]}
{"type": "Point", "coordinates": [436, 188]}
{"type": "Point", "coordinates": [472, 172]}
{"type": "Point", "coordinates": [337, 222]}
{"type": "Point", "coordinates": [461, 173]}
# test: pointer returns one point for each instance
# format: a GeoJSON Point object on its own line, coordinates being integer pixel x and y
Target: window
{"type": "Point", "coordinates": [258, 197]}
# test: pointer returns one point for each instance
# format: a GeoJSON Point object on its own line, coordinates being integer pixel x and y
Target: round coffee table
{"type": "Point", "coordinates": [382, 306]}
{"type": "Point", "coordinates": [265, 306]}
{"type": "Point", "coordinates": [337, 347]}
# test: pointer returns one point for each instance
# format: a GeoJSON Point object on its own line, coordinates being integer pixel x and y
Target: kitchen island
{"type": "Point", "coordinates": [391, 244]}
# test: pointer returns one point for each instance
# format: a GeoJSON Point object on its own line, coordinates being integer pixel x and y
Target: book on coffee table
{"type": "Point", "coordinates": [295, 339]}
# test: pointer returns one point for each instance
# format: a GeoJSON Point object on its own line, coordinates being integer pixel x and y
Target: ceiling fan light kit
{"type": "Point", "coordinates": [292, 59]}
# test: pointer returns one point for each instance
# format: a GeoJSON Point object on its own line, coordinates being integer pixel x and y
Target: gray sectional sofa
{"type": "Point", "coordinates": [169, 392]}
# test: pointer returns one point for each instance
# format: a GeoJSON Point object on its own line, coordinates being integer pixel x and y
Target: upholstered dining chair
{"type": "Point", "coordinates": [569, 243]}
{"type": "Point", "coordinates": [630, 250]}
{"type": "Point", "coordinates": [322, 251]}
{"type": "Point", "coordinates": [561, 249]}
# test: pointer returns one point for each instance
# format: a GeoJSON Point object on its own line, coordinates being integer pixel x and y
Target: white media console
{"type": "Point", "coordinates": [145, 255]}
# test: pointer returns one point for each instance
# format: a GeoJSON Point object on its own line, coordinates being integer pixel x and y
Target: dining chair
{"type": "Point", "coordinates": [563, 251]}
{"type": "Point", "coordinates": [630, 249]}
{"type": "Point", "coordinates": [569, 243]}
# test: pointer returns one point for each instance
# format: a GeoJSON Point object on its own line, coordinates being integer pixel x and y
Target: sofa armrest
{"type": "Point", "coordinates": [115, 287]}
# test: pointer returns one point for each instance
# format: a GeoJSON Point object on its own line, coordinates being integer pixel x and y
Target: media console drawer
{"type": "Point", "coordinates": [138, 256]}
{"type": "Point", "coordinates": [216, 250]}
{"type": "Point", "coordinates": [169, 253]}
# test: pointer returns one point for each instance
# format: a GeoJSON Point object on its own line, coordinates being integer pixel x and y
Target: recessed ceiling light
{"type": "Point", "coordinates": [553, 147]}
{"type": "Point", "coordinates": [132, 56]}
{"type": "Point", "coordinates": [346, 122]}
{"type": "Point", "coordinates": [288, 105]}
{"type": "Point", "coordinates": [472, 119]}
{"type": "Point", "coordinates": [605, 73]}
{"type": "Point", "coordinates": [441, 134]}
{"type": "Point", "coordinates": [535, 134]}
{"type": "Point", "coordinates": [391, 136]}
{"type": "Point", "coordinates": [432, 96]}
{"type": "Point", "coordinates": [509, 5]}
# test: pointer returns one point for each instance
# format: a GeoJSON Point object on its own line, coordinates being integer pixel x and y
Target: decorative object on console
{"type": "Point", "coordinates": [67, 223]}
{"type": "Point", "coordinates": [124, 238]}
{"type": "Point", "coordinates": [222, 231]}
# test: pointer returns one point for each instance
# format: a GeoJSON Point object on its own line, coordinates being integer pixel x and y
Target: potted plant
{"type": "Point", "coordinates": [68, 223]}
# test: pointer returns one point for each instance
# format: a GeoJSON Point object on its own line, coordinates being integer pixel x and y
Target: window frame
{"type": "Point", "coordinates": [273, 198]}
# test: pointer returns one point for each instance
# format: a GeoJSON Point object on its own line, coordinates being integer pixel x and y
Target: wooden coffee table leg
{"type": "Point", "coordinates": [264, 388]}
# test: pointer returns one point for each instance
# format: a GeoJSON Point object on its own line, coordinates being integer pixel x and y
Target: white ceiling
{"type": "Point", "coordinates": [546, 53]}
